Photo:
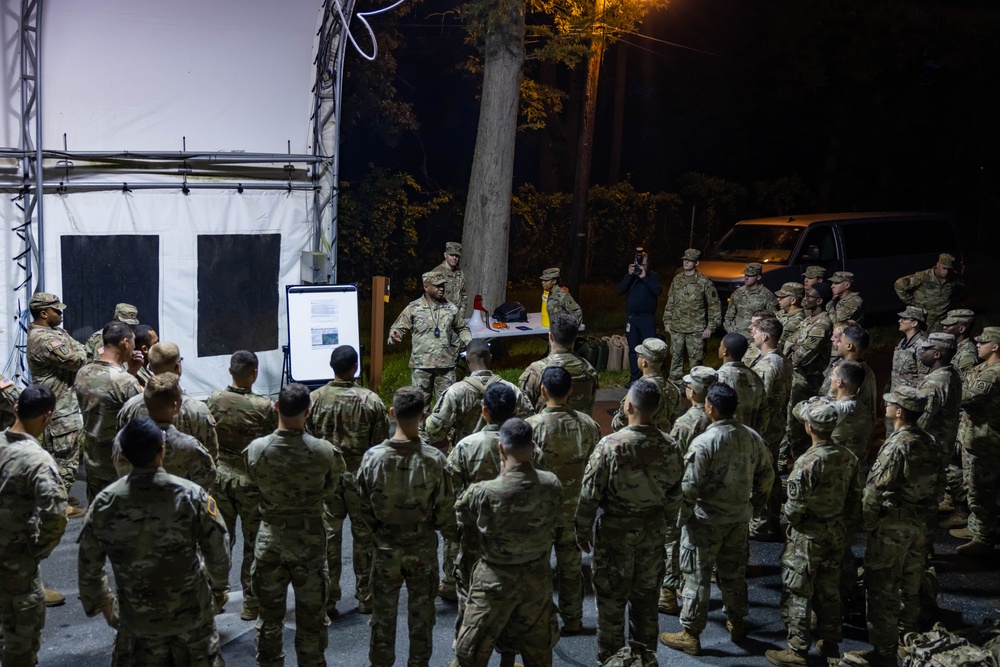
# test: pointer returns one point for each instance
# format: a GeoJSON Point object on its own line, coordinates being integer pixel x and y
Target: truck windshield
{"type": "Point", "coordinates": [757, 243]}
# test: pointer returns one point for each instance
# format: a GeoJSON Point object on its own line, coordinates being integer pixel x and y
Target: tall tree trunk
{"type": "Point", "coordinates": [618, 123]}
{"type": "Point", "coordinates": [486, 229]}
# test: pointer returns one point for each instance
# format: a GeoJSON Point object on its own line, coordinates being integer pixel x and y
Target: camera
{"type": "Point", "coordinates": [637, 265]}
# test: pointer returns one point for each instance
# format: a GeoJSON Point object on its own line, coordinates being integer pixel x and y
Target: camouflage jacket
{"type": "Point", "coordinates": [95, 345]}
{"type": "Point", "coordinates": [809, 351]}
{"type": "Point", "coordinates": [669, 410]}
{"type": "Point", "coordinates": [824, 489]}
{"type": "Point", "coordinates": [979, 428]}
{"type": "Point", "coordinates": [32, 499]}
{"type": "Point", "coordinates": [194, 418]}
{"type": "Point", "coordinates": [297, 475]}
{"type": "Point", "coordinates": [438, 332]}
{"type": "Point", "coordinates": [511, 519]}
{"type": "Point", "coordinates": [475, 458]}
{"type": "Point", "coordinates": [560, 301]}
{"type": "Point", "coordinates": [169, 551]}
{"type": "Point", "coordinates": [143, 375]}
{"type": "Point", "coordinates": [855, 428]}
{"type": "Point", "coordinates": [743, 304]}
{"type": "Point", "coordinates": [241, 416]}
{"type": "Point", "coordinates": [868, 394]}
{"type": "Point", "coordinates": [634, 475]}
{"type": "Point", "coordinates": [405, 490]}
{"type": "Point", "coordinates": [752, 355]}
{"type": "Point", "coordinates": [689, 426]}
{"type": "Point", "coordinates": [583, 374]}
{"type": "Point", "coordinates": [102, 389]}
{"type": "Point", "coordinates": [776, 378]}
{"type": "Point", "coordinates": [9, 393]}
{"type": "Point", "coordinates": [727, 468]}
{"type": "Point", "coordinates": [902, 483]}
{"type": "Point", "coordinates": [183, 456]}
{"type": "Point", "coordinates": [966, 356]}
{"type": "Point", "coordinates": [749, 391]}
{"type": "Point", "coordinates": [943, 389]}
{"type": "Point", "coordinates": [565, 439]}
{"type": "Point", "coordinates": [353, 418]}
{"type": "Point", "coordinates": [925, 290]}
{"type": "Point", "coordinates": [906, 367]}
{"type": "Point", "coordinates": [454, 286]}
{"type": "Point", "coordinates": [850, 307]}
{"type": "Point", "coordinates": [459, 412]}
{"type": "Point", "coordinates": [790, 322]}
{"type": "Point", "coordinates": [692, 305]}
{"type": "Point", "coordinates": [54, 357]}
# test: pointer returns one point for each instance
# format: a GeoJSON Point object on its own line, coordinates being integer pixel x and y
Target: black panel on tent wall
{"type": "Point", "coordinates": [99, 272]}
{"type": "Point", "coordinates": [237, 292]}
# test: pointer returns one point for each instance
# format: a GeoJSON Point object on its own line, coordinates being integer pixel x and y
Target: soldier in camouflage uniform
{"type": "Point", "coordinates": [934, 289]}
{"type": "Point", "coordinates": [565, 439]}
{"type": "Point", "coordinates": [634, 475]}
{"type": "Point", "coordinates": [124, 312]}
{"type": "Point", "coordinates": [9, 393]}
{"type": "Point", "coordinates": [958, 323]}
{"type": "Point", "coordinates": [776, 378]}
{"type": "Point", "coordinates": [728, 470]}
{"type": "Point", "coordinates": [652, 352]}
{"type": "Point", "coordinates": [906, 366]}
{"type": "Point", "coordinates": [791, 315]}
{"type": "Point", "coordinates": [54, 357]}
{"type": "Point", "coordinates": [809, 353]}
{"type": "Point", "coordinates": [102, 388]}
{"type": "Point", "coordinates": [691, 314]}
{"type": "Point", "coordinates": [454, 286]}
{"type": "Point", "coordinates": [438, 334]}
{"type": "Point", "coordinates": [298, 476]}
{"type": "Point", "coordinates": [753, 352]}
{"type": "Point", "coordinates": [557, 299]}
{"type": "Point", "coordinates": [813, 275]}
{"type": "Point", "coordinates": [979, 433]}
{"type": "Point", "coordinates": [171, 567]}
{"type": "Point", "coordinates": [354, 419]}
{"type": "Point", "coordinates": [687, 427]}
{"type": "Point", "coordinates": [194, 417]}
{"type": "Point", "coordinates": [823, 492]}
{"type": "Point", "coordinates": [851, 346]}
{"type": "Point", "coordinates": [32, 521]}
{"type": "Point", "coordinates": [145, 339]}
{"type": "Point", "coordinates": [846, 304]}
{"type": "Point", "coordinates": [510, 521]}
{"type": "Point", "coordinates": [241, 416]}
{"type": "Point", "coordinates": [748, 386]}
{"type": "Point", "coordinates": [562, 333]}
{"type": "Point", "coordinates": [406, 495]}
{"type": "Point", "coordinates": [901, 489]}
{"type": "Point", "coordinates": [747, 300]}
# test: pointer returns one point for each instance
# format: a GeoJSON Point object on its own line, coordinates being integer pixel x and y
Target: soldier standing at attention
{"type": "Point", "coordinates": [32, 521]}
{"type": "Point", "coordinates": [901, 489]}
{"type": "Point", "coordinates": [241, 417]}
{"type": "Point", "coordinates": [851, 346]}
{"type": "Point", "coordinates": [634, 475]}
{"type": "Point", "coordinates": [753, 352]}
{"type": "Point", "coordinates": [652, 352]}
{"type": "Point", "coordinates": [145, 338]}
{"type": "Point", "coordinates": [169, 551]}
{"type": "Point", "coordinates": [566, 438]}
{"type": "Point", "coordinates": [641, 286]}
{"type": "Point", "coordinates": [562, 333]}
{"type": "Point", "coordinates": [958, 323]}
{"type": "Point", "coordinates": [727, 471]}
{"type": "Point", "coordinates": [438, 334]}
{"type": "Point", "coordinates": [823, 493]}
{"type": "Point", "coordinates": [846, 304]}
{"type": "Point", "coordinates": [454, 286]}
{"type": "Point", "coordinates": [934, 289]}
{"type": "Point", "coordinates": [297, 475]}
{"type": "Point", "coordinates": [747, 300]}
{"type": "Point", "coordinates": [510, 519]}
{"type": "Point", "coordinates": [747, 384]}
{"type": "Point", "coordinates": [354, 420]}
{"type": "Point", "coordinates": [791, 315]}
{"type": "Point", "coordinates": [812, 275]}
{"type": "Point", "coordinates": [557, 299]}
{"type": "Point", "coordinates": [906, 366]}
{"type": "Point", "coordinates": [124, 312]}
{"type": "Point", "coordinates": [691, 314]}
{"type": "Point", "coordinates": [406, 495]}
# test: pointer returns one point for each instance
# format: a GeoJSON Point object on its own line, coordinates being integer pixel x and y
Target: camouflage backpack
{"type": "Point", "coordinates": [624, 658]}
{"type": "Point", "coordinates": [941, 648]}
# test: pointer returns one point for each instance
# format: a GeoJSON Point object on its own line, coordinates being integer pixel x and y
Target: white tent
{"type": "Point", "coordinates": [186, 152]}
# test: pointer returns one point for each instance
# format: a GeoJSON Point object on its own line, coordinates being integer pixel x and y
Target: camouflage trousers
{"type": "Point", "coordinates": [810, 576]}
{"type": "Point", "coordinates": [238, 497]}
{"type": "Point", "coordinates": [22, 611]}
{"type": "Point", "coordinates": [508, 604]}
{"type": "Point", "coordinates": [96, 482]}
{"type": "Point", "coordinates": [63, 439]}
{"type": "Point", "coordinates": [448, 556]}
{"type": "Point", "coordinates": [672, 565]}
{"type": "Point", "coordinates": [428, 379]}
{"type": "Point", "coordinates": [627, 571]}
{"type": "Point", "coordinates": [982, 475]}
{"type": "Point", "coordinates": [679, 342]}
{"type": "Point", "coordinates": [569, 574]}
{"type": "Point", "coordinates": [291, 553]}
{"type": "Point", "coordinates": [767, 517]}
{"type": "Point", "coordinates": [411, 560]}
{"type": "Point", "coordinates": [200, 647]}
{"type": "Point", "coordinates": [795, 442]}
{"type": "Point", "coordinates": [725, 547]}
{"type": "Point", "coordinates": [955, 484]}
{"type": "Point", "coordinates": [894, 566]}
{"type": "Point", "coordinates": [361, 542]}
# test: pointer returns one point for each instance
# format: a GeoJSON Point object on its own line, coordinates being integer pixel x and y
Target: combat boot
{"type": "Point", "coordinates": [364, 607]}
{"type": "Point", "coordinates": [975, 547]}
{"type": "Point", "coordinates": [961, 533]}
{"type": "Point", "coordinates": [667, 603]}
{"type": "Point", "coordinates": [737, 629]}
{"type": "Point", "coordinates": [681, 641]}
{"type": "Point", "coordinates": [958, 519]}
{"type": "Point", "coordinates": [829, 650]}
{"type": "Point", "coordinates": [53, 598]}
{"type": "Point", "coordinates": [946, 505]}
{"type": "Point", "coordinates": [74, 512]}
{"type": "Point", "coordinates": [785, 658]}
{"type": "Point", "coordinates": [876, 659]}
{"type": "Point", "coordinates": [447, 592]}
{"type": "Point", "coordinates": [248, 613]}
{"type": "Point", "coordinates": [74, 501]}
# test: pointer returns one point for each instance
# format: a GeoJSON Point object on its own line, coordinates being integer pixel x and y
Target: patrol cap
{"type": "Point", "coordinates": [45, 300]}
{"type": "Point", "coordinates": [819, 412]}
{"type": "Point", "coordinates": [127, 313]}
{"type": "Point", "coordinates": [815, 272]}
{"type": "Point", "coordinates": [701, 378]}
{"type": "Point", "coordinates": [947, 260]}
{"type": "Point", "coordinates": [752, 269]}
{"type": "Point", "coordinates": [653, 349]}
{"type": "Point", "coordinates": [989, 335]}
{"type": "Point", "coordinates": [958, 316]}
{"type": "Point", "coordinates": [842, 277]}
{"type": "Point", "coordinates": [692, 255]}
{"type": "Point", "coordinates": [906, 397]}
{"type": "Point", "coordinates": [551, 273]}
{"type": "Point", "coordinates": [434, 278]}
{"type": "Point", "coordinates": [453, 248]}
{"type": "Point", "coordinates": [791, 289]}
{"type": "Point", "coordinates": [940, 341]}
{"type": "Point", "coordinates": [914, 313]}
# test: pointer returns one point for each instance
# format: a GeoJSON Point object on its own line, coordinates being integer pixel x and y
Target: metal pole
{"type": "Point", "coordinates": [39, 167]}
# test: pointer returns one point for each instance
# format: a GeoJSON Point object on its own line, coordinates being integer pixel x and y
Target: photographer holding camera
{"type": "Point", "coordinates": [643, 288]}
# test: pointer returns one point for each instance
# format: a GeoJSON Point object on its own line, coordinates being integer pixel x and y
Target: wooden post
{"type": "Point", "coordinates": [380, 297]}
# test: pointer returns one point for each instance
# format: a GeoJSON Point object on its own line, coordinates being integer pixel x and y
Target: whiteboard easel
{"type": "Point", "coordinates": [320, 319]}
